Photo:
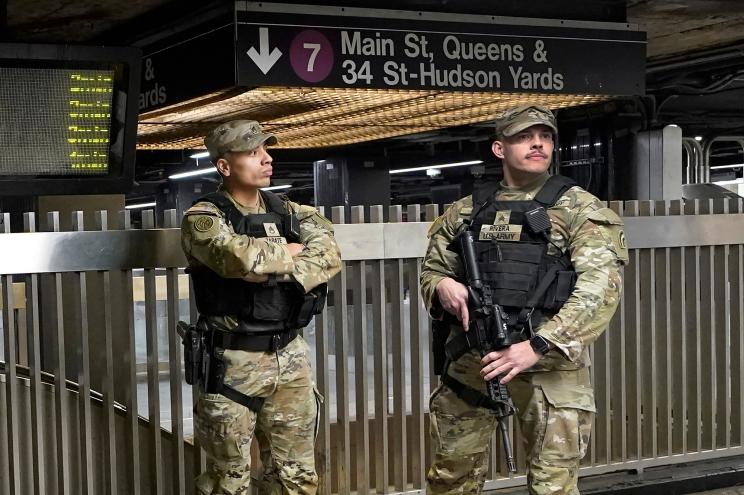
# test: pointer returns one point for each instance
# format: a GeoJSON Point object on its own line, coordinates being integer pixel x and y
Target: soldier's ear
{"type": "Point", "coordinates": [223, 167]}
{"type": "Point", "coordinates": [498, 149]}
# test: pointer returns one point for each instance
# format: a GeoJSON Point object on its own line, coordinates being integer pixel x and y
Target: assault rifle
{"type": "Point", "coordinates": [488, 323]}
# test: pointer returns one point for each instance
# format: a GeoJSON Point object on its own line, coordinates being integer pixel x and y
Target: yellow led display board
{"type": "Point", "coordinates": [68, 118]}
{"type": "Point", "coordinates": [55, 121]}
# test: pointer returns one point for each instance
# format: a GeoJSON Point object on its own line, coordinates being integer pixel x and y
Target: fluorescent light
{"type": "Point", "coordinates": [444, 165]}
{"type": "Point", "coordinates": [724, 182]}
{"type": "Point", "coordinates": [698, 138]}
{"type": "Point", "coordinates": [274, 188]}
{"type": "Point", "coordinates": [192, 173]}
{"type": "Point", "coordinates": [202, 154]}
{"type": "Point", "coordinates": [433, 172]}
{"type": "Point", "coordinates": [140, 205]}
{"type": "Point", "coordinates": [719, 167]}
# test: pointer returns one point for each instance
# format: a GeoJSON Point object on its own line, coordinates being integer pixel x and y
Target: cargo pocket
{"type": "Point", "coordinates": [224, 431]}
{"type": "Point", "coordinates": [458, 428]}
{"type": "Point", "coordinates": [568, 425]}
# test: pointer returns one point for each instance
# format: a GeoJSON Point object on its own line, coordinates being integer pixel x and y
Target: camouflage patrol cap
{"type": "Point", "coordinates": [236, 135]}
{"type": "Point", "coordinates": [522, 117]}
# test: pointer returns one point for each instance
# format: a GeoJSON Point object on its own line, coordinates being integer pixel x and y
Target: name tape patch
{"type": "Point", "coordinates": [510, 233]}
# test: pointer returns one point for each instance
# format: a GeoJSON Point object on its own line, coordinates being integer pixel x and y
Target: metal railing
{"type": "Point", "coordinates": [667, 373]}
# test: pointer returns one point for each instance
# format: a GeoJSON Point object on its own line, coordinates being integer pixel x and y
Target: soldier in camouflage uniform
{"type": "Point", "coordinates": [285, 425]}
{"type": "Point", "coordinates": [552, 392]}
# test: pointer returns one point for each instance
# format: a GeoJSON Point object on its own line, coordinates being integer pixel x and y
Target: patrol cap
{"type": "Point", "coordinates": [522, 117]}
{"type": "Point", "coordinates": [236, 135]}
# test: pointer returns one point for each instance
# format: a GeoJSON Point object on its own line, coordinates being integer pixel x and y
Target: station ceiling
{"type": "Point", "coordinates": [678, 33]}
{"type": "Point", "coordinates": [674, 26]}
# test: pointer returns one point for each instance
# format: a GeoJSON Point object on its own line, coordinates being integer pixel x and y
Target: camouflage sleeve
{"type": "Point", "coordinates": [597, 248]}
{"type": "Point", "coordinates": [439, 262]}
{"type": "Point", "coordinates": [321, 258]}
{"type": "Point", "coordinates": [207, 238]}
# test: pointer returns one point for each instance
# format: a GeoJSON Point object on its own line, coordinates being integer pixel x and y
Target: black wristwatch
{"type": "Point", "coordinates": [539, 344]}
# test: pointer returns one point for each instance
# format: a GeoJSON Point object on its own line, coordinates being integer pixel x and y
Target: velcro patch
{"type": "Point", "coordinates": [271, 230]}
{"type": "Point", "coordinates": [502, 217]}
{"type": "Point", "coordinates": [510, 233]}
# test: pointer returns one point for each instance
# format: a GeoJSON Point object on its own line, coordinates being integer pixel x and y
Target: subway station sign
{"type": "Point", "coordinates": [362, 48]}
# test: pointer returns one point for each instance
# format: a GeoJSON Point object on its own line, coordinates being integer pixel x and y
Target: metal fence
{"type": "Point", "coordinates": [88, 341]}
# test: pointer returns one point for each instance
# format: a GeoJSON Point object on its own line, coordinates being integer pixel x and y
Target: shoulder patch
{"type": "Point", "coordinates": [204, 223]}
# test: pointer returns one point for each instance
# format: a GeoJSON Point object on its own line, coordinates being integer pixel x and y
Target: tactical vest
{"type": "Point", "coordinates": [261, 307]}
{"type": "Point", "coordinates": [512, 241]}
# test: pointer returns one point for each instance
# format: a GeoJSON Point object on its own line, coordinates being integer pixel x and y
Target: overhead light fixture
{"type": "Point", "coordinates": [274, 188]}
{"type": "Point", "coordinates": [140, 205]}
{"type": "Point", "coordinates": [698, 138]}
{"type": "Point", "coordinates": [719, 167]}
{"type": "Point", "coordinates": [724, 182]}
{"type": "Point", "coordinates": [192, 173]}
{"type": "Point", "coordinates": [429, 167]}
{"type": "Point", "coordinates": [433, 172]}
{"type": "Point", "coordinates": [203, 154]}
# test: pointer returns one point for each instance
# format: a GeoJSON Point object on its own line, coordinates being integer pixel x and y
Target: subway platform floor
{"type": "Point", "coordinates": [723, 476]}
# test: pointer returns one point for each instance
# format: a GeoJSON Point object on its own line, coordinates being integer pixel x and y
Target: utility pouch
{"type": "Point", "coordinates": [192, 351]}
{"type": "Point", "coordinates": [214, 368]}
{"type": "Point", "coordinates": [312, 304]}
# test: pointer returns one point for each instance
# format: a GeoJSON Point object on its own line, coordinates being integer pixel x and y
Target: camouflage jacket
{"type": "Point", "coordinates": [207, 239]}
{"type": "Point", "coordinates": [594, 238]}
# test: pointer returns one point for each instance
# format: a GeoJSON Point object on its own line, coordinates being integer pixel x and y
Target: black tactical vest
{"type": "Point", "coordinates": [261, 307]}
{"type": "Point", "coordinates": [512, 239]}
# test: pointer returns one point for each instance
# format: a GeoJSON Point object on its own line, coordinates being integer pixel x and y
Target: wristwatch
{"type": "Point", "coordinates": [540, 344]}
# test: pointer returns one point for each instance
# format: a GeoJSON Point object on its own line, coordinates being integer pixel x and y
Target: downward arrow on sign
{"type": "Point", "coordinates": [263, 59]}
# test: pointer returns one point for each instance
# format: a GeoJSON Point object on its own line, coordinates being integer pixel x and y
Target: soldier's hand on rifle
{"type": "Point", "coordinates": [453, 296]}
{"type": "Point", "coordinates": [509, 361]}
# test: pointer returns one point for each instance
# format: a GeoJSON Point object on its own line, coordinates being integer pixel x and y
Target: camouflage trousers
{"type": "Point", "coordinates": [555, 411]}
{"type": "Point", "coordinates": [285, 427]}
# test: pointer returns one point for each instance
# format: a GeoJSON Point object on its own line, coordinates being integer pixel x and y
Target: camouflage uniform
{"type": "Point", "coordinates": [286, 424]}
{"type": "Point", "coordinates": [554, 399]}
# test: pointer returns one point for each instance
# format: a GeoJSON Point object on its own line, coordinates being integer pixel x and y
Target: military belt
{"type": "Point", "coordinates": [246, 342]}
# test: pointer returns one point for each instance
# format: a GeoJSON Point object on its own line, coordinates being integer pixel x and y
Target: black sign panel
{"type": "Point", "coordinates": [178, 69]}
{"type": "Point", "coordinates": [274, 49]}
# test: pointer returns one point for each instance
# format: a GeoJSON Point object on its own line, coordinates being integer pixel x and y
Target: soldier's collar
{"type": "Point", "coordinates": [242, 208]}
{"type": "Point", "coordinates": [530, 187]}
